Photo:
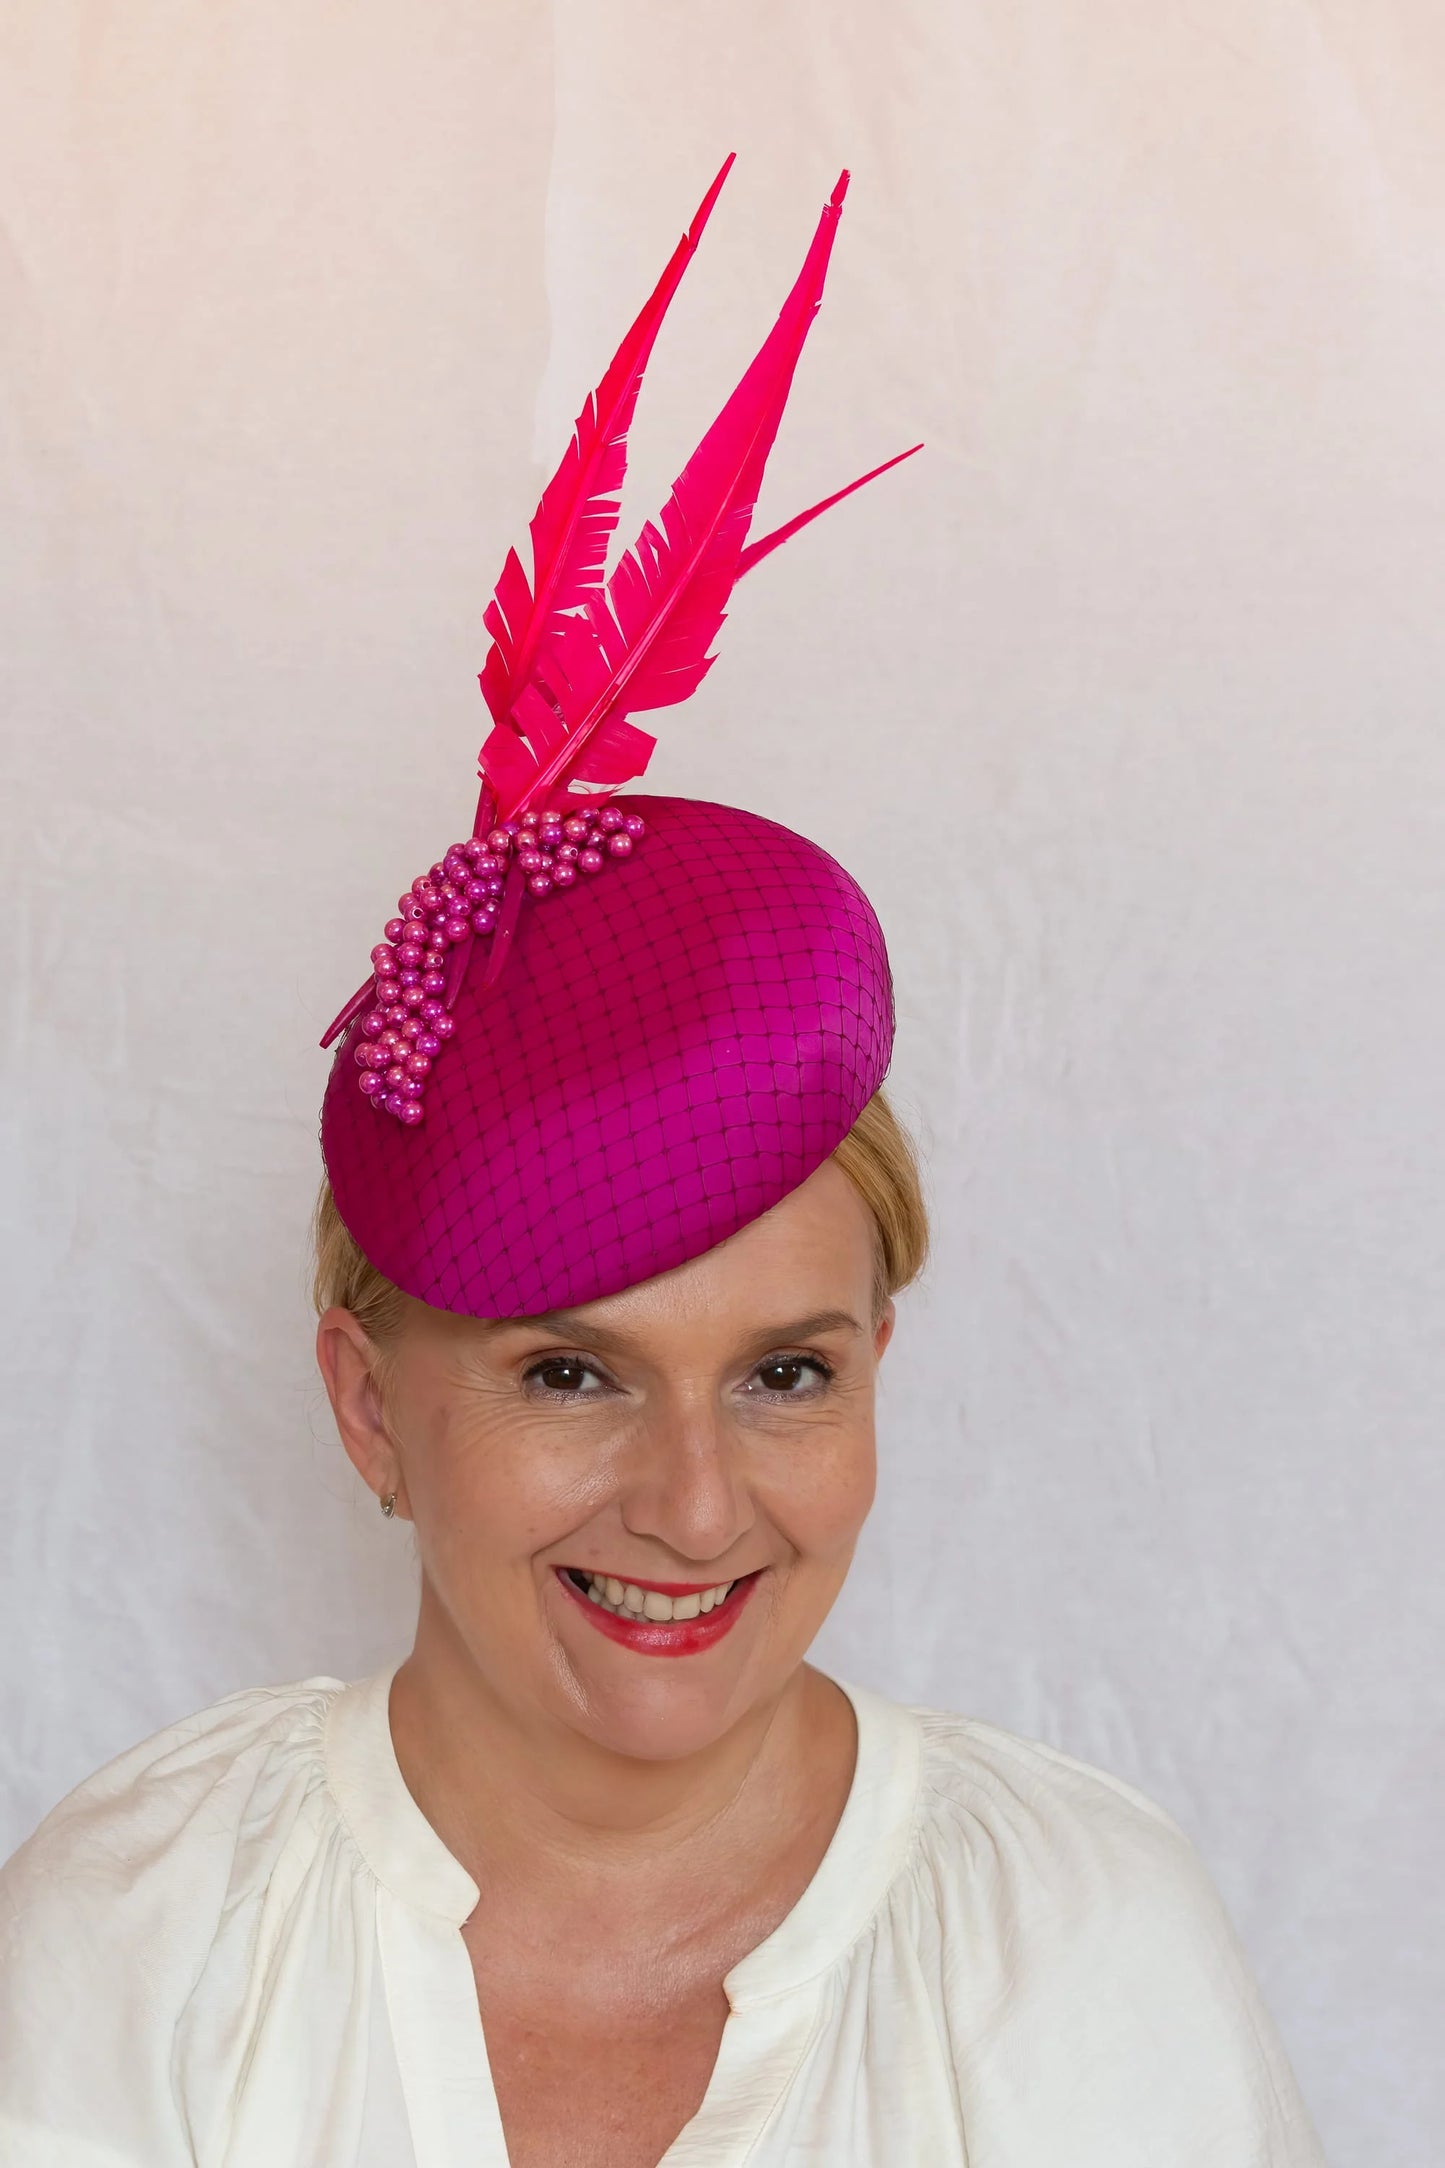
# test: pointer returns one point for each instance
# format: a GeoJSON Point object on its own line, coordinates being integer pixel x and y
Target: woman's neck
{"type": "Point", "coordinates": [533, 1800]}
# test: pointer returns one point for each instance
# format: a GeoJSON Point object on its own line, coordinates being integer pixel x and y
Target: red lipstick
{"type": "Point", "coordinates": [664, 1637]}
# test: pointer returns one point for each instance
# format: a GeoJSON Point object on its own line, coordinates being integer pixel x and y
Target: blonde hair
{"type": "Point", "coordinates": [877, 1156]}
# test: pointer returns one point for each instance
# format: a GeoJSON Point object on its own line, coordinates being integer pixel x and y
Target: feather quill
{"type": "Point", "coordinates": [642, 642]}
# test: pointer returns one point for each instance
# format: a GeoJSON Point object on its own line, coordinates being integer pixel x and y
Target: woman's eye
{"type": "Point", "coordinates": [563, 1374]}
{"type": "Point", "coordinates": [792, 1375]}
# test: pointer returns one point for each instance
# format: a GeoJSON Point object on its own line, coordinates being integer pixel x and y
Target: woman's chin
{"type": "Point", "coordinates": [649, 1697]}
{"type": "Point", "coordinates": [660, 1721]}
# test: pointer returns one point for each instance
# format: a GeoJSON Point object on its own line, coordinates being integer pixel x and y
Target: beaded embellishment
{"type": "Point", "coordinates": [418, 967]}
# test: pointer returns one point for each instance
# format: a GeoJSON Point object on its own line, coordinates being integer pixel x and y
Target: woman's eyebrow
{"type": "Point", "coordinates": [806, 1328]}
{"type": "Point", "coordinates": [569, 1325]}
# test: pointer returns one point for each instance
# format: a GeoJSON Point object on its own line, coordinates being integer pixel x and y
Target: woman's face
{"type": "Point", "coordinates": [583, 1483]}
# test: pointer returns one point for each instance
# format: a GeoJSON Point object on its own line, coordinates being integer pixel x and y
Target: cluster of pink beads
{"type": "Point", "coordinates": [401, 1037]}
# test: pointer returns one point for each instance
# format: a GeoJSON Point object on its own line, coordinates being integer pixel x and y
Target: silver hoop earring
{"type": "Point", "coordinates": [388, 1504]}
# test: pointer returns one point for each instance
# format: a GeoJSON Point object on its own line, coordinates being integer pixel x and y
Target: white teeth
{"type": "Point", "coordinates": [634, 1602]}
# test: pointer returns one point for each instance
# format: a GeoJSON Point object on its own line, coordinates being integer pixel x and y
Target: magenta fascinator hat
{"type": "Point", "coordinates": [603, 1034]}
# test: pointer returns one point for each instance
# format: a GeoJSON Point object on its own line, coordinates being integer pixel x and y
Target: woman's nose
{"type": "Point", "coordinates": [685, 1483]}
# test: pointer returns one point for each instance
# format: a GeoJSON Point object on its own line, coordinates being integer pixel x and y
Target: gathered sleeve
{"type": "Point", "coordinates": [172, 1934]}
{"type": "Point", "coordinates": [1095, 1993]}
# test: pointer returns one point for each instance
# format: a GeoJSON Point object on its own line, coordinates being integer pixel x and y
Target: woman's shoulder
{"type": "Point", "coordinates": [1058, 1840]}
{"type": "Point", "coordinates": [156, 1874]}
{"type": "Point", "coordinates": [153, 1847]}
{"type": "Point", "coordinates": [1039, 1794]}
{"type": "Point", "coordinates": [1069, 1925]}
{"type": "Point", "coordinates": [186, 1780]}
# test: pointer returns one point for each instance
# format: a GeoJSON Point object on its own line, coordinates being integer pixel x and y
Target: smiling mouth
{"type": "Point", "coordinates": [637, 1600]}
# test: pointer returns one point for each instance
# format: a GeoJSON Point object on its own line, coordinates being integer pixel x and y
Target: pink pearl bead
{"type": "Point", "coordinates": [383, 959]}
{"type": "Point", "coordinates": [362, 1056]}
{"type": "Point", "coordinates": [410, 1087]}
{"type": "Point", "coordinates": [413, 997]}
{"type": "Point", "coordinates": [575, 829]}
{"type": "Point", "coordinates": [412, 1028]}
{"type": "Point", "coordinates": [393, 1102]}
{"type": "Point", "coordinates": [396, 1075]}
{"type": "Point", "coordinates": [474, 848]}
{"type": "Point", "coordinates": [443, 1026]}
{"type": "Point", "coordinates": [590, 861]}
{"type": "Point", "coordinates": [374, 1024]}
{"type": "Point", "coordinates": [409, 955]}
{"type": "Point", "coordinates": [396, 1014]}
{"type": "Point", "coordinates": [422, 889]}
{"type": "Point", "coordinates": [540, 884]}
{"type": "Point", "coordinates": [390, 1041]}
{"type": "Point", "coordinates": [619, 844]}
{"type": "Point", "coordinates": [435, 982]}
{"type": "Point", "coordinates": [456, 929]}
{"type": "Point", "coordinates": [511, 828]}
{"type": "Point", "coordinates": [427, 1042]}
{"type": "Point", "coordinates": [431, 1010]}
{"type": "Point", "coordinates": [530, 817]}
{"type": "Point", "coordinates": [610, 818]}
{"type": "Point", "coordinates": [395, 928]}
{"type": "Point", "coordinates": [499, 842]}
{"type": "Point", "coordinates": [408, 978]}
{"type": "Point", "coordinates": [566, 854]}
{"type": "Point", "coordinates": [635, 825]}
{"type": "Point", "coordinates": [371, 1083]}
{"type": "Point", "coordinates": [409, 1113]}
{"type": "Point", "coordinates": [529, 860]}
{"type": "Point", "coordinates": [437, 872]}
{"type": "Point", "coordinates": [418, 1066]}
{"type": "Point", "coordinates": [484, 920]}
{"type": "Point", "coordinates": [563, 876]}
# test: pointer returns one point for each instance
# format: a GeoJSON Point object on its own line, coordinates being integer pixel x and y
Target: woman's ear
{"type": "Point", "coordinates": [883, 1330]}
{"type": "Point", "coordinates": [347, 1360]}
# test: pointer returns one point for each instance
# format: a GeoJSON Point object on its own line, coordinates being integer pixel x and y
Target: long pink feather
{"type": "Point", "coordinates": [643, 642]}
{"type": "Point", "coordinates": [574, 521]}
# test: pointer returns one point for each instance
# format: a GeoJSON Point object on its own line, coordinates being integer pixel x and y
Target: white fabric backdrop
{"type": "Point", "coordinates": [1123, 702]}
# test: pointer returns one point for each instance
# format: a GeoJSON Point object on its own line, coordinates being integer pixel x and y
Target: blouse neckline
{"type": "Point", "coordinates": [865, 1854]}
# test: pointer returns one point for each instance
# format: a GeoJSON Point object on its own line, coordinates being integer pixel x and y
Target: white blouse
{"type": "Point", "coordinates": [238, 1947]}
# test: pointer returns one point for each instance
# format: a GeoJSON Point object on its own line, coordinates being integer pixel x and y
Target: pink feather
{"type": "Point", "coordinates": [643, 641]}
{"type": "Point", "coordinates": [757, 551]}
{"type": "Point", "coordinates": [574, 522]}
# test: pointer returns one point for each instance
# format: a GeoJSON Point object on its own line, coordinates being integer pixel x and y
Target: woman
{"type": "Point", "coordinates": [604, 1872]}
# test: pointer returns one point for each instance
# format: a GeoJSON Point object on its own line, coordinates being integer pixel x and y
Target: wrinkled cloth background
{"type": "Point", "coordinates": [1124, 702]}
